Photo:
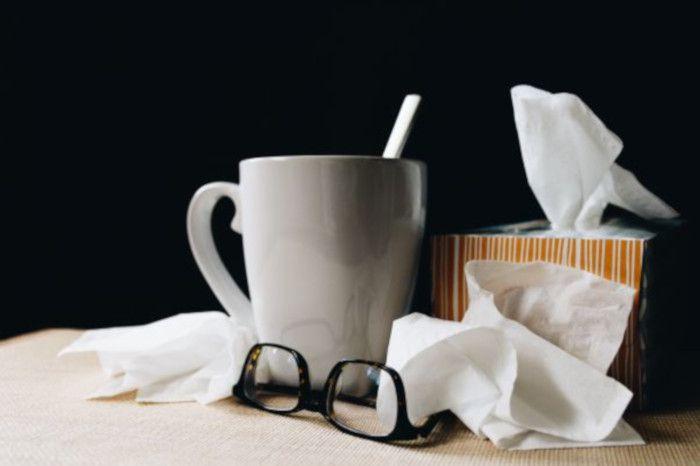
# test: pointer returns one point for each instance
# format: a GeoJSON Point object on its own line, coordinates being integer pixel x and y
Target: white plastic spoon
{"type": "Point", "coordinates": [402, 127]}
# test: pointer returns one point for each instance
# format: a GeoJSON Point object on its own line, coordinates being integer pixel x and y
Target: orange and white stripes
{"type": "Point", "coordinates": [619, 260]}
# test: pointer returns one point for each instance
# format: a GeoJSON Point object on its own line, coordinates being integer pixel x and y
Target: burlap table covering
{"type": "Point", "coordinates": [44, 420]}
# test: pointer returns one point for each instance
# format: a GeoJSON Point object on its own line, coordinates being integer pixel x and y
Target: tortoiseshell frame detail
{"type": "Point", "coordinates": [322, 402]}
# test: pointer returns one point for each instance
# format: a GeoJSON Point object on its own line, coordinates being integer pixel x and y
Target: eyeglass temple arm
{"type": "Point", "coordinates": [430, 424]}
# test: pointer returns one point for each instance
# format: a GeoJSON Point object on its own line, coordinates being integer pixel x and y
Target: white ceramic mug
{"type": "Point", "coordinates": [331, 246]}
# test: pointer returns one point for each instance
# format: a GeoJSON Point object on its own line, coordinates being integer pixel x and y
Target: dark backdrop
{"type": "Point", "coordinates": [114, 115]}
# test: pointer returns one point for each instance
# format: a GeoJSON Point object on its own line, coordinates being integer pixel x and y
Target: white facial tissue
{"type": "Point", "coordinates": [526, 368]}
{"type": "Point", "coordinates": [195, 356]}
{"type": "Point", "coordinates": [569, 157]}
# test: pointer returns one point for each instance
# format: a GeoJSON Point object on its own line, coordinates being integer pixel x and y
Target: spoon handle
{"type": "Point", "coordinates": [402, 127]}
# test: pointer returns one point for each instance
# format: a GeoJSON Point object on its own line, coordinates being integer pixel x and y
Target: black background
{"type": "Point", "coordinates": [114, 115]}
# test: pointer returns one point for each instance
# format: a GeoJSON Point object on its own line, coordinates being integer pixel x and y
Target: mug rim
{"type": "Point", "coordinates": [333, 157]}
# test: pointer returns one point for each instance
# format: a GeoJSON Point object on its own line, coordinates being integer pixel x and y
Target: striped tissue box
{"type": "Point", "coordinates": [618, 251]}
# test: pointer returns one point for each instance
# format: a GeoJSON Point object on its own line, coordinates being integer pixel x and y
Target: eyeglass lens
{"type": "Point", "coordinates": [364, 399]}
{"type": "Point", "coordinates": [274, 382]}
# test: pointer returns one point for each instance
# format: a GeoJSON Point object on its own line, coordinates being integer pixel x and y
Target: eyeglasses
{"type": "Point", "coordinates": [362, 398]}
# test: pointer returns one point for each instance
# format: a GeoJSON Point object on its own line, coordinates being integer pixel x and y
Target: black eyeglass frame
{"type": "Point", "coordinates": [322, 402]}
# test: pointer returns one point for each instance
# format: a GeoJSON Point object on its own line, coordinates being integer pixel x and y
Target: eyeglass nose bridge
{"type": "Point", "coordinates": [315, 401]}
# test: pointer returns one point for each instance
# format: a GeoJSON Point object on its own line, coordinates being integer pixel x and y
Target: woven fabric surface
{"type": "Point", "coordinates": [45, 420]}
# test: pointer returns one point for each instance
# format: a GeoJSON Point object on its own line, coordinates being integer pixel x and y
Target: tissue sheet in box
{"type": "Point", "coordinates": [640, 255]}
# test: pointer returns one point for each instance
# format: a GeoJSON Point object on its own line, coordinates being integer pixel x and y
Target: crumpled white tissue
{"type": "Point", "coordinates": [569, 157]}
{"type": "Point", "coordinates": [194, 356]}
{"type": "Point", "coordinates": [526, 367]}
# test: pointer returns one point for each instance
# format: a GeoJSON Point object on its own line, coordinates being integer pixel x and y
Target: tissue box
{"type": "Point", "coordinates": [639, 254]}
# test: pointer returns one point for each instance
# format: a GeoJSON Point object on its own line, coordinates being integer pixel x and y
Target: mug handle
{"type": "Point", "coordinates": [235, 303]}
